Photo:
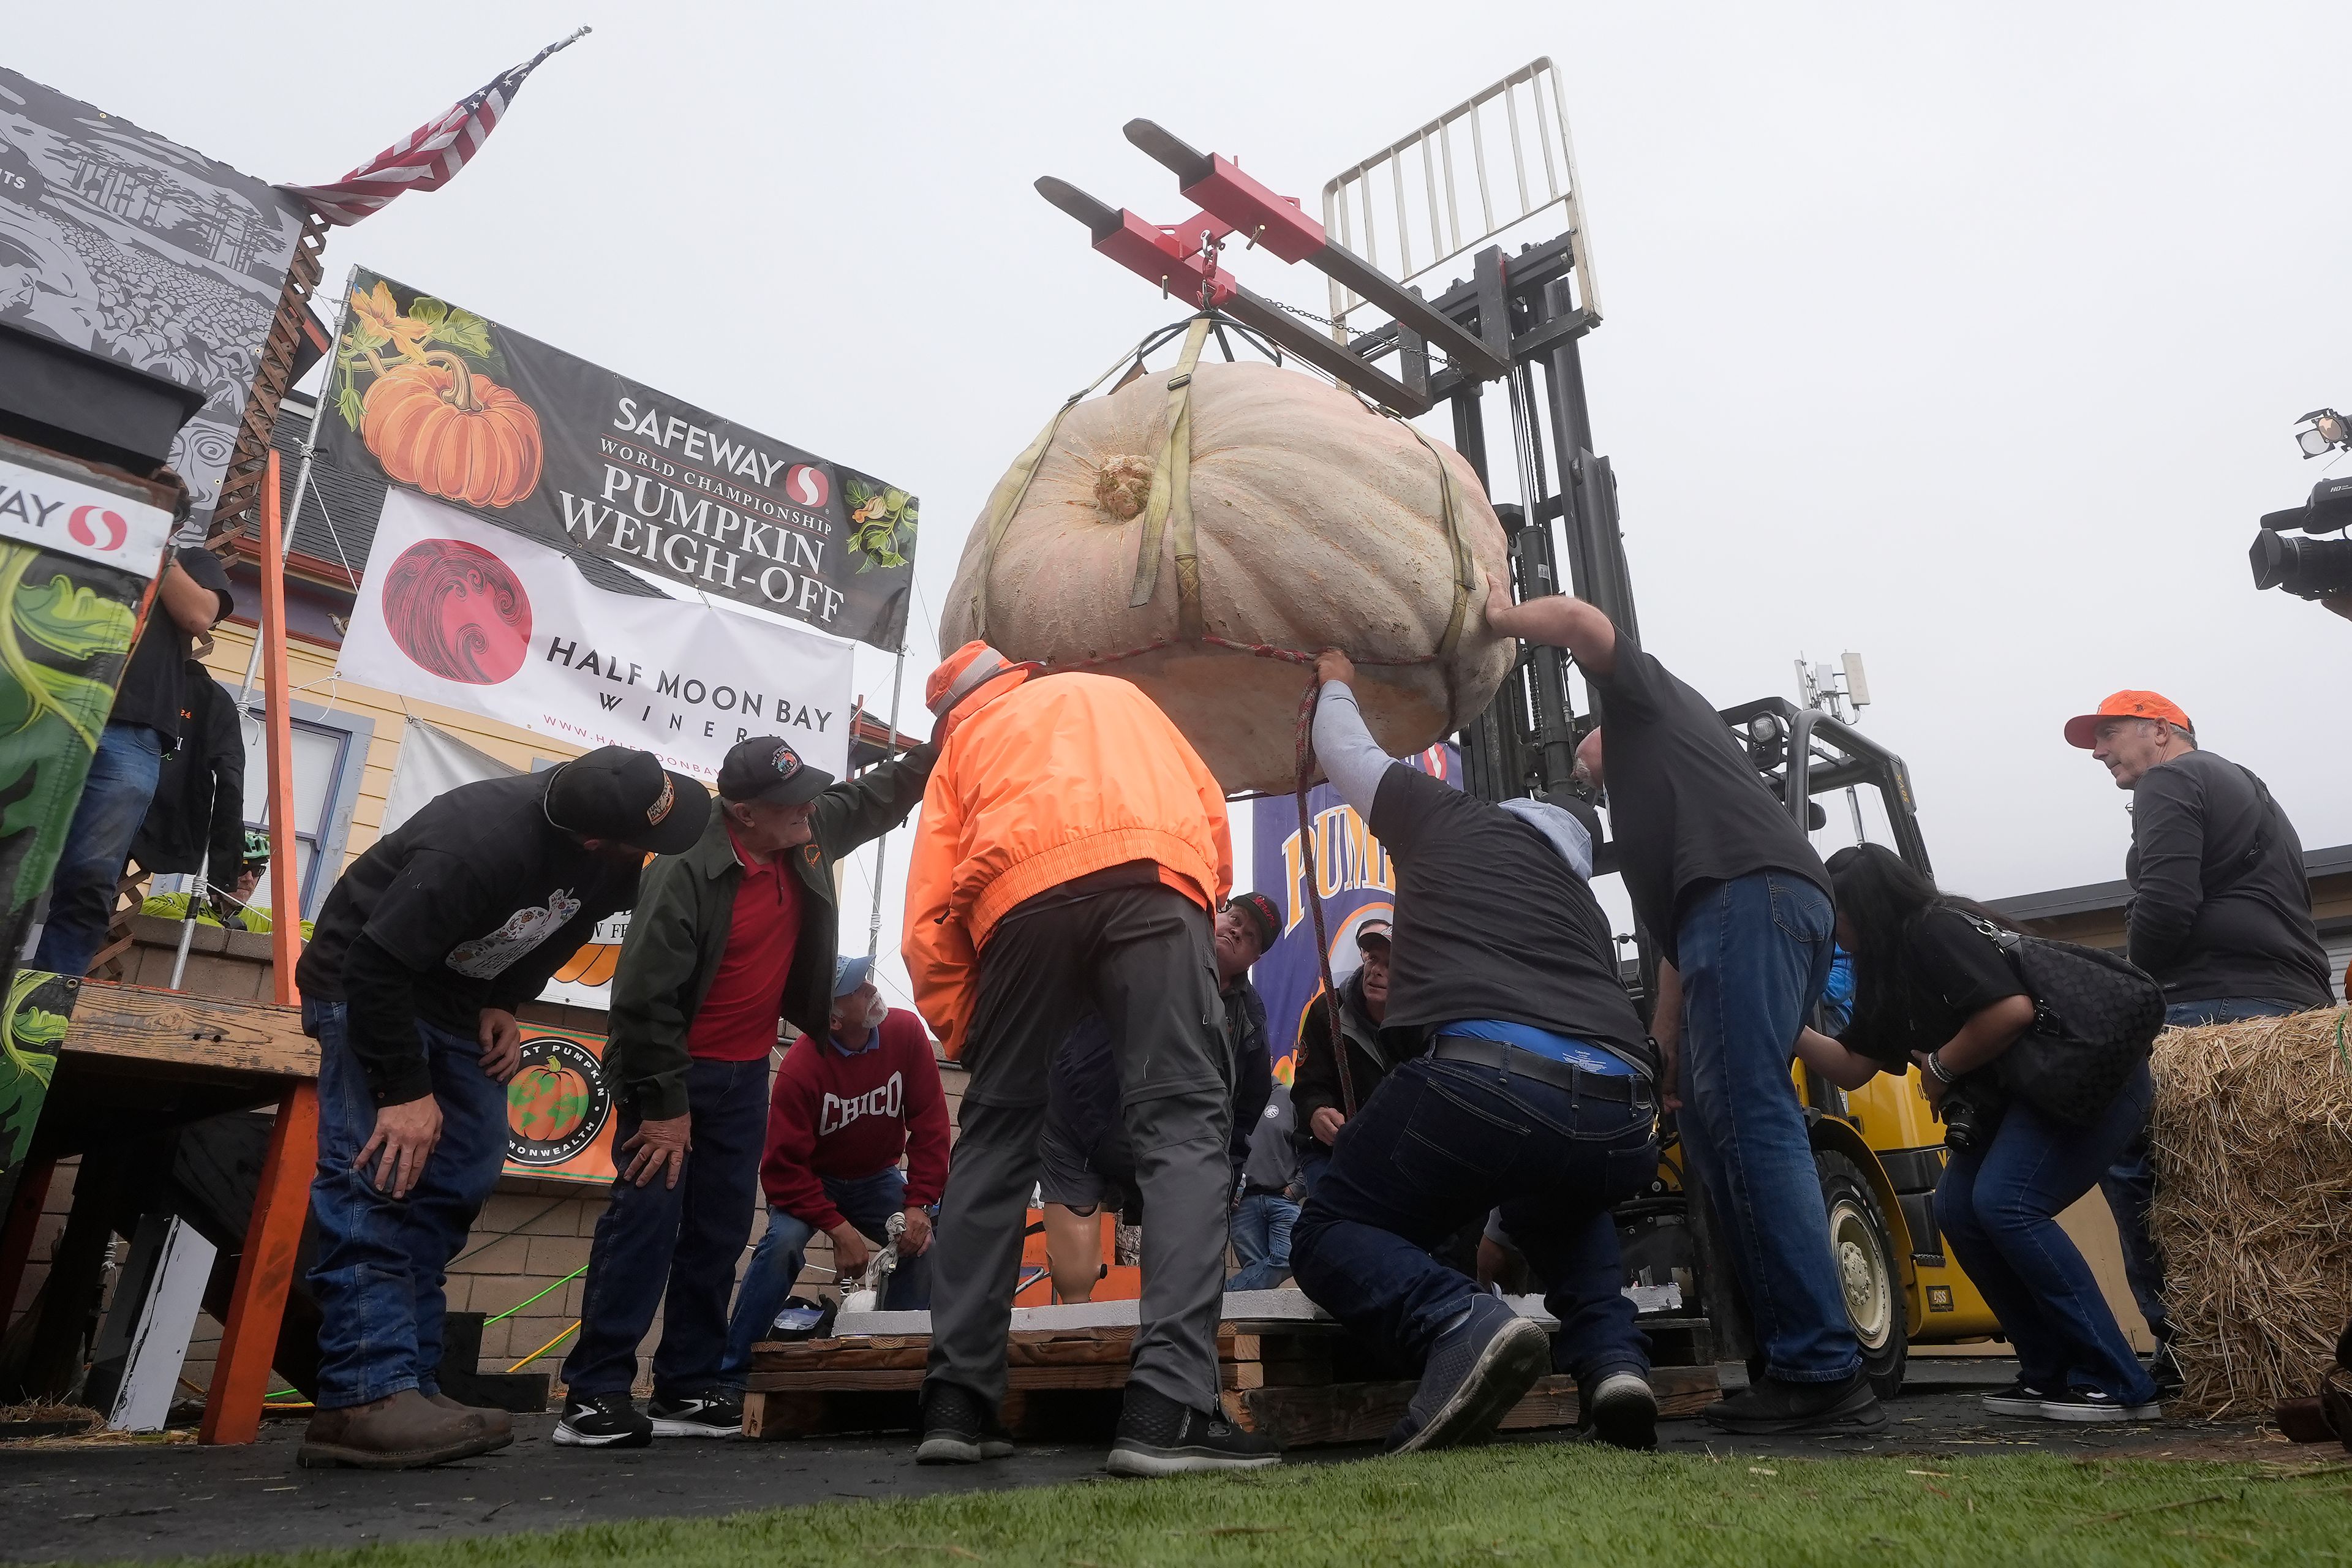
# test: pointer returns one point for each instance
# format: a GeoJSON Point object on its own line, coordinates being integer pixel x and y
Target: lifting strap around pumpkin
{"type": "Point", "coordinates": [1466, 567]}
{"type": "Point", "coordinates": [1171, 498]}
{"type": "Point", "coordinates": [1014, 488]}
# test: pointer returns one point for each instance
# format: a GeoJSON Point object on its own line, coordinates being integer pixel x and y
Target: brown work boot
{"type": "Point", "coordinates": [495, 1422]}
{"type": "Point", "coordinates": [398, 1431]}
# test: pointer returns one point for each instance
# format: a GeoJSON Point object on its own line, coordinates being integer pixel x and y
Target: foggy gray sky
{"type": "Point", "coordinates": [1969, 339]}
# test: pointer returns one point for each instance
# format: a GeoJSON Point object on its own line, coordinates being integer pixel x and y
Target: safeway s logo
{"type": "Point", "coordinates": [837, 1113]}
{"type": "Point", "coordinates": [100, 528]}
{"type": "Point", "coordinates": [807, 483]}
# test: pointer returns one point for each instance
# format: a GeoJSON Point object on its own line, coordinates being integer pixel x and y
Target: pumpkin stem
{"type": "Point", "coordinates": [1123, 486]}
{"type": "Point", "coordinates": [461, 383]}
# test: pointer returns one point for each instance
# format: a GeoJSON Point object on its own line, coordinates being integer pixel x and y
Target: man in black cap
{"type": "Point", "coordinates": [728, 936]}
{"type": "Point", "coordinates": [428, 943]}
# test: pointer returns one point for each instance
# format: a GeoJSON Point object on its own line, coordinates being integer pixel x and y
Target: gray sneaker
{"type": "Point", "coordinates": [1478, 1368]}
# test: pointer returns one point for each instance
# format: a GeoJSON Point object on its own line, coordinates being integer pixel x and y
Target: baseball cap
{"type": "Point", "coordinates": [1263, 916]}
{"type": "Point", "coordinates": [2083, 730]}
{"type": "Point", "coordinates": [850, 974]}
{"type": "Point", "coordinates": [614, 791]}
{"type": "Point", "coordinates": [766, 769]}
{"type": "Point", "coordinates": [1372, 931]}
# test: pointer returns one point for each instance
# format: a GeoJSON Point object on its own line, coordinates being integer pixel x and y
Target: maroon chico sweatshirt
{"type": "Point", "coordinates": [831, 1115]}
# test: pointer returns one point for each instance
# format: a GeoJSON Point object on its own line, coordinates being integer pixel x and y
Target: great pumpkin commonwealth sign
{"type": "Point", "coordinates": [441, 400]}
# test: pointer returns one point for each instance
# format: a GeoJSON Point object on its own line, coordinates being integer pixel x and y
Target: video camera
{"type": "Point", "coordinates": [2311, 568]}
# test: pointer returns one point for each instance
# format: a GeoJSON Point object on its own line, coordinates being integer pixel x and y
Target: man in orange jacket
{"type": "Point", "coordinates": [1071, 851]}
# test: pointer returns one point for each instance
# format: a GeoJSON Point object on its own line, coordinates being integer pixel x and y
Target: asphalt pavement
{"type": "Point", "coordinates": [115, 1499]}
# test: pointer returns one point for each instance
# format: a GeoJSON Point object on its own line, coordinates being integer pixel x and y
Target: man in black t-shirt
{"type": "Point", "coordinates": [1530, 1086]}
{"type": "Point", "coordinates": [2220, 915]}
{"type": "Point", "coordinates": [1729, 889]}
{"type": "Point", "coordinates": [191, 598]}
{"type": "Point", "coordinates": [427, 945]}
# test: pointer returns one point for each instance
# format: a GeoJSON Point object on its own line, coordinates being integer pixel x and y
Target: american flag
{"type": "Point", "coordinates": [429, 156]}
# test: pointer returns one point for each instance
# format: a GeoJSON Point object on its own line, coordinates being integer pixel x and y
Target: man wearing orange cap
{"type": "Point", "coordinates": [2221, 913]}
{"type": "Point", "coordinates": [1071, 849]}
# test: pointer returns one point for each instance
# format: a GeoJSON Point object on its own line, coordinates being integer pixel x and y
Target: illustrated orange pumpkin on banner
{"type": "Point", "coordinates": [559, 1111]}
{"type": "Point", "coordinates": [430, 414]}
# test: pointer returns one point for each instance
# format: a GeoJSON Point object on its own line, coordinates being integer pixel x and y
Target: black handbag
{"type": "Point", "coordinates": [2095, 1017]}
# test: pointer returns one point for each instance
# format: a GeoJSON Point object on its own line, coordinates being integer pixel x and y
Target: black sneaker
{"type": "Point", "coordinates": [1771, 1407]}
{"type": "Point", "coordinates": [959, 1428]}
{"type": "Point", "coordinates": [1623, 1412]}
{"type": "Point", "coordinates": [717, 1413]}
{"type": "Point", "coordinates": [2091, 1405]}
{"type": "Point", "coordinates": [2019, 1398]}
{"type": "Point", "coordinates": [603, 1421]}
{"type": "Point", "coordinates": [1159, 1437]}
{"type": "Point", "coordinates": [1476, 1370]}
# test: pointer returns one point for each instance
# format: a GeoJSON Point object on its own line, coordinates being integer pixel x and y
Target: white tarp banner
{"type": "Point", "coordinates": [459, 611]}
{"type": "Point", "coordinates": [432, 763]}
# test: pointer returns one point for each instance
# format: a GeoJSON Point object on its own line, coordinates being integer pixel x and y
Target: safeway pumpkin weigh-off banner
{"type": "Point", "coordinates": [449, 404]}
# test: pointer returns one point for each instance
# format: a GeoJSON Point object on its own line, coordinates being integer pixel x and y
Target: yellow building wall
{"type": "Point", "coordinates": [313, 669]}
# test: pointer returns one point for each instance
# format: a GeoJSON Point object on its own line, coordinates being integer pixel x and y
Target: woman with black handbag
{"type": "Point", "coordinates": [1935, 987]}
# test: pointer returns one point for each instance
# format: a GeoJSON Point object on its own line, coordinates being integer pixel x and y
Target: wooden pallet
{"type": "Point", "coordinates": [1300, 1380]}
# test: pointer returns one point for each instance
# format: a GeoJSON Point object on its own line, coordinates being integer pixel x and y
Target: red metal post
{"type": "Point", "coordinates": [285, 899]}
{"type": "Point", "coordinates": [265, 1270]}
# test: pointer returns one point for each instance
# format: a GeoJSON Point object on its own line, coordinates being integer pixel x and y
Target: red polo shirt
{"type": "Point", "coordinates": [738, 1019]}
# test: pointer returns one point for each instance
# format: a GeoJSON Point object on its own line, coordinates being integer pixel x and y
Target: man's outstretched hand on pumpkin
{"type": "Point", "coordinates": [1332, 665]}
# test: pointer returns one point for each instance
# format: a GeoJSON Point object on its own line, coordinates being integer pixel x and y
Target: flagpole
{"type": "Point", "coordinates": [874, 925]}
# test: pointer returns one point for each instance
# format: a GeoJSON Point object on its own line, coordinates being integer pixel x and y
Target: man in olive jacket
{"type": "Point", "coordinates": [726, 938]}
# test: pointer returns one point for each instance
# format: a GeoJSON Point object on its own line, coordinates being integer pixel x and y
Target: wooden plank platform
{"type": "Point", "coordinates": [1284, 1369]}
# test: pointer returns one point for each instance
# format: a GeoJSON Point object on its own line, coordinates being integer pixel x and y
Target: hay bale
{"type": "Point", "coordinates": [2253, 1205]}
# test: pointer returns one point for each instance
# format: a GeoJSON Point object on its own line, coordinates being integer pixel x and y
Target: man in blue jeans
{"type": "Point", "coordinates": [1729, 889]}
{"type": "Point", "coordinates": [191, 598]}
{"type": "Point", "coordinates": [429, 943]}
{"type": "Point", "coordinates": [1267, 1209]}
{"type": "Point", "coordinates": [846, 1109]}
{"type": "Point", "coordinates": [2220, 915]}
{"type": "Point", "coordinates": [728, 938]}
{"type": "Point", "coordinates": [1528, 1087]}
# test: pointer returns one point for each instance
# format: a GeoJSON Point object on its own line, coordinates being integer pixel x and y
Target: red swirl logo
{"type": "Point", "coordinates": [80, 524]}
{"type": "Point", "coordinates": [807, 483]}
{"type": "Point", "coordinates": [458, 611]}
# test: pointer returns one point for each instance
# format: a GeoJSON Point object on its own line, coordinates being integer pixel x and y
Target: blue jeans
{"type": "Point", "coordinates": [1998, 1209]}
{"type": "Point", "coordinates": [114, 801]}
{"type": "Point", "coordinates": [1754, 953]}
{"type": "Point", "coordinates": [683, 1242]}
{"type": "Point", "coordinates": [1261, 1233]}
{"type": "Point", "coordinates": [1438, 1145]}
{"type": "Point", "coordinates": [1313, 1161]}
{"type": "Point", "coordinates": [2129, 1184]}
{"type": "Point", "coordinates": [865, 1202]}
{"type": "Point", "coordinates": [382, 1260]}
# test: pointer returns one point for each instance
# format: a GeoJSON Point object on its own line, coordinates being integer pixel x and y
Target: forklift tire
{"type": "Point", "coordinates": [1872, 1277]}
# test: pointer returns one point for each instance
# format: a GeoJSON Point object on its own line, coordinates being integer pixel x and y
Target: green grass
{"type": "Point", "coordinates": [1530, 1503]}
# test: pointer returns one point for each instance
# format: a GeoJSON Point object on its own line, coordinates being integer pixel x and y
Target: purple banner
{"type": "Point", "coordinates": [1357, 883]}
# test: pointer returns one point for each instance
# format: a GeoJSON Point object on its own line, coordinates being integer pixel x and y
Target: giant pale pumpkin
{"type": "Point", "coordinates": [452, 432]}
{"type": "Point", "coordinates": [1319, 525]}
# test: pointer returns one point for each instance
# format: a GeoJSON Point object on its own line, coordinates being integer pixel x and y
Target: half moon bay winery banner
{"type": "Point", "coordinates": [1358, 883]}
{"type": "Point", "coordinates": [457, 612]}
{"type": "Point", "coordinates": [455, 406]}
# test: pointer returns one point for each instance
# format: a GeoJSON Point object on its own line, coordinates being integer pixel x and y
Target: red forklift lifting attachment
{"type": "Point", "coordinates": [1183, 259]}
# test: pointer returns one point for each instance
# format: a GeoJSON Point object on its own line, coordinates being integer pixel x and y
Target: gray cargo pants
{"type": "Point", "coordinates": [1140, 956]}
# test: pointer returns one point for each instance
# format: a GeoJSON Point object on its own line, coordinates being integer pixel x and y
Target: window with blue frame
{"type": "Point", "coordinates": [331, 750]}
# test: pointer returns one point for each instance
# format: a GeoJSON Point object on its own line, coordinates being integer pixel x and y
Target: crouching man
{"type": "Point", "coordinates": [846, 1109]}
{"type": "Point", "coordinates": [730, 935]}
{"type": "Point", "coordinates": [1072, 846]}
{"type": "Point", "coordinates": [1529, 1088]}
{"type": "Point", "coordinates": [427, 946]}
